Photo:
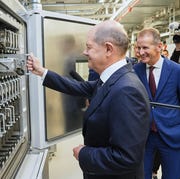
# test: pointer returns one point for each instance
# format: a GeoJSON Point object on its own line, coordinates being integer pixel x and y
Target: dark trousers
{"type": "Point", "coordinates": [170, 157]}
{"type": "Point", "coordinates": [156, 163]}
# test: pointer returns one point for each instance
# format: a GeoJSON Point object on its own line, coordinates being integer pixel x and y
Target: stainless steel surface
{"type": "Point", "coordinates": [63, 47]}
{"type": "Point", "coordinates": [34, 166]}
{"type": "Point", "coordinates": [49, 33]}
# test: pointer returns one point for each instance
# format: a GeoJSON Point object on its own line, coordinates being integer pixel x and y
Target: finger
{"type": "Point", "coordinates": [29, 63]}
{"type": "Point", "coordinates": [30, 56]}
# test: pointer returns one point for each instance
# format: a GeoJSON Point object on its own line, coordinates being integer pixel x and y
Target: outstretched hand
{"type": "Point", "coordinates": [33, 65]}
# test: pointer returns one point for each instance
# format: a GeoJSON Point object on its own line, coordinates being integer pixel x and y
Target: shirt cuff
{"type": "Point", "coordinates": [44, 75]}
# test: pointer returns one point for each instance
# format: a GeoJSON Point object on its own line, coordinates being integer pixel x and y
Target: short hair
{"type": "Point", "coordinates": [114, 34]}
{"type": "Point", "coordinates": [165, 50]}
{"type": "Point", "coordinates": [151, 31]}
{"type": "Point", "coordinates": [176, 39]}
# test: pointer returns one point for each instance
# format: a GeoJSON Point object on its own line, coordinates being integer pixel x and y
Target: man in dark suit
{"type": "Point", "coordinates": [116, 122]}
{"type": "Point", "coordinates": [164, 133]}
{"type": "Point", "coordinates": [176, 53]}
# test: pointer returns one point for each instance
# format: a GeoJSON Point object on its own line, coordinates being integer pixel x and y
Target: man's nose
{"type": "Point", "coordinates": [141, 51]}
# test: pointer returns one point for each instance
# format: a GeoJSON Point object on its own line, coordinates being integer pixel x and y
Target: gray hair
{"type": "Point", "coordinates": [151, 31]}
{"type": "Point", "coordinates": [112, 32]}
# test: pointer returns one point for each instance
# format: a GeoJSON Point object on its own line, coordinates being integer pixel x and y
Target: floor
{"type": "Point", "coordinates": [63, 165]}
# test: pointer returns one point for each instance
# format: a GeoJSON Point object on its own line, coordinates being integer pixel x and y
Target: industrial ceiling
{"type": "Point", "coordinates": [133, 14]}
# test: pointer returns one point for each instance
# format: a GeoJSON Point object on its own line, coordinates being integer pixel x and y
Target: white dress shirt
{"type": "Point", "coordinates": [105, 75]}
{"type": "Point", "coordinates": [157, 70]}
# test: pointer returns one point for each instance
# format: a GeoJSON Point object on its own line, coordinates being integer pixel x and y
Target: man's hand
{"type": "Point", "coordinates": [76, 151]}
{"type": "Point", "coordinates": [33, 65]}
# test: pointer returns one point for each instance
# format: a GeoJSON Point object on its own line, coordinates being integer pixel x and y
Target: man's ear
{"type": "Point", "coordinates": [160, 46]}
{"type": "Point", "coordinates": [109, 47]}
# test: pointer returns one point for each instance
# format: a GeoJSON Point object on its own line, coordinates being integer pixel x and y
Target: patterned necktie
{"type": "Point", "coordinates": [152, 86]}
{"type": "Point", "coordinates": [99, 84]}
{"type": "Point", "coordinates": [152, 83]}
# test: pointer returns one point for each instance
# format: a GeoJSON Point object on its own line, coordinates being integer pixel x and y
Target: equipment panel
{"type": "Point", "coordinates": [13, 93]}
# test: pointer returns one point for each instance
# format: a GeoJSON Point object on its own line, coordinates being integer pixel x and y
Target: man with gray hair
{"type": "Point", "coordinates": [116, 123]}
{"type": "Point", "coordinates": [161, 77]}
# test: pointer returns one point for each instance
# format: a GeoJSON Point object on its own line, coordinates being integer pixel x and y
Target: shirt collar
{"type": "Point", "coordinates": [111, 69]}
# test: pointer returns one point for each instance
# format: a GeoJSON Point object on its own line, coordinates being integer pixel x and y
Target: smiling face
{"type": "Point", "coordinates": [107, 43]}
{"type": "Point", "coordinates": [96, 54]}
{"type": "Point", "coordinates": [149, 49]}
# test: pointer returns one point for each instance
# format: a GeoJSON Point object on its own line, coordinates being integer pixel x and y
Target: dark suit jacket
{"type": "Point", "coordinates": [168, 92]}
{"type": "Point", "coordinates": [115, 125]}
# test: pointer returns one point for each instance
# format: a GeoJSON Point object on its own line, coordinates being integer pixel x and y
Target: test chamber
{"type": "Point", "coordinates": [33, 118]}
{"type": "Point", "coordinates": [60, 43]}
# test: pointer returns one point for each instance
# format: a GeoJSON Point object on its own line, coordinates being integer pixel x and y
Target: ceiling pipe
{"type": "Point", "coordinates": [36, 4]}
{"type": "Point", "coordinates": [126, 7]}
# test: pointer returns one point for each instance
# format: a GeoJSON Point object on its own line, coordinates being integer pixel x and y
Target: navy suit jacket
{"type": "Point", "coordinates": [115, 125]}
{"type": "Point", "coordinates": [168, 92]}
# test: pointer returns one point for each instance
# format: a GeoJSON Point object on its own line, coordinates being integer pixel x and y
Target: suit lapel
{"type": "Point", "coordinates": [104, 90]}
{"type": "Point", "coordinates": [143, 77]}
{"type": "Point", "coordinates": [97, 100]}
{"type": "Point", "coordinates": [166, 71]}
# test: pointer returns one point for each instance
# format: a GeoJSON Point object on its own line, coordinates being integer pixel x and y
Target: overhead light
{"type": "Point", "coordinates": [124, 9]}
